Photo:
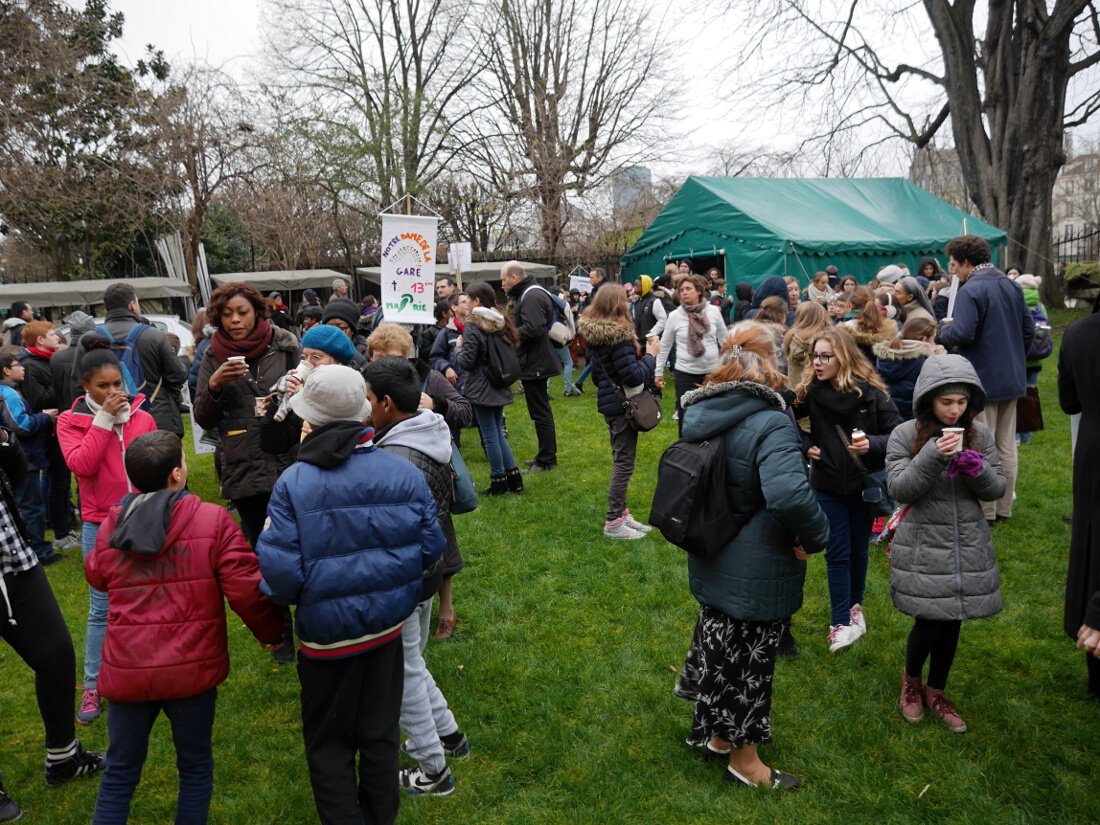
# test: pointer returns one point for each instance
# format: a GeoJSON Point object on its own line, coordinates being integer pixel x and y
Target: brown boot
{"type": "Point", "coordinates": [912, 698]}
{"type": "Point", "coordinates": [941, 706]}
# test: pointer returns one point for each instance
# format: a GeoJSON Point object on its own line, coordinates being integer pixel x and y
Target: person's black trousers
{"type": "Point", "coordinates": [351, 707]}
{"type": "Point", "coordinates": [42, 640]}
{"type": "Point", "coordinates": [538, 407]}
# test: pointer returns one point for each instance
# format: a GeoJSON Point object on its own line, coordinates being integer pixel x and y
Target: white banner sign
{"type": "Point", "coordinates": [408, 268]}
{"type": "Point", "coordinates": [580, 283]}
{"type": "Point", "coordinates": [460, 255]}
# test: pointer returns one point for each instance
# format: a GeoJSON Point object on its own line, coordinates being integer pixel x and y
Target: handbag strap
{"type": "Point", "coordinates": [844, 440]}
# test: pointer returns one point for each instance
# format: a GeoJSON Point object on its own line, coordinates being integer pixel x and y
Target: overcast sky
{"type": "Point", "coordinates": [709, 111]}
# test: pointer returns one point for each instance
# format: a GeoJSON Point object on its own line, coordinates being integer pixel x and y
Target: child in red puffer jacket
{"type": "Point", "coordinates": [166, 559]}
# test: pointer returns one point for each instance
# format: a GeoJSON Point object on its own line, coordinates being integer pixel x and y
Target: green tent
{"type": "Point", "coordinates": [751, 228]}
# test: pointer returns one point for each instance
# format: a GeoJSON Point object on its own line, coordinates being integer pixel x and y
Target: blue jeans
{"type": "Point", "coordinates": [490, 422]}
{"type": "Point", "coordinates": [846, 554]}
{"type": "Point", "coordinates": [97, 615]}
{"type": "Point", "coordinates": [33, 509]}
{"type": "Point", "coordinates": [585, 372]}
{"type": "Point", "coordinates": [128, 727]}
{"type": "Point", "coordinates": [566, 361]}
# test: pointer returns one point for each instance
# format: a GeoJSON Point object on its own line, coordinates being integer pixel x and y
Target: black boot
{"type": "Point", "coordinates": [498, 486]}
{"type": "Point", "coordinates": [515, 480]}
{"type": "Point", "coordinates": [787, 647]}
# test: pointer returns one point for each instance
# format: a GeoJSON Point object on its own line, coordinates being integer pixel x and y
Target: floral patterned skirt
{"type": "Point", "coordinates": [731, 665]}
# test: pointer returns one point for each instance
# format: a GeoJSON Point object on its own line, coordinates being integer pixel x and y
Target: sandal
{"type": "Point", "coordinates": [445, 629]}
{"type": "Point", "coordinates": [778, 780]}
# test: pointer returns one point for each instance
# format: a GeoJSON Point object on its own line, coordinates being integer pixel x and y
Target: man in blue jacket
{"type": "Point", "coordinates": [992, 328]}
{"type": "Point", "coordinates": [350, 532]}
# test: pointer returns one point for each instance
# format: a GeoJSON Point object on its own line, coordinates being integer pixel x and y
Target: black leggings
{"type": "Point", "coordinates": [1093, 665]}
{"type": "Point", "coordinates": [253, 512]}
{"type": "Point", "coordinates": [935, 639]}
{"type": "Point", "coordinates": [42, 640]}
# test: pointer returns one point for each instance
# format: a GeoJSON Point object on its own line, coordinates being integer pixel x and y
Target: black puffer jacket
{"type": "Point", "coordinates": [245, 468]}
{"type": "Point", "coordinates": [473, 356]}
{"type": "Point", "coordinates": [533, 315]}
{"type": "Point", "coordinates": [867, 409]}
{"type": "Point", "coordinates": [614, 359]}
{"type": "Point", "coordinates": [425, 440]}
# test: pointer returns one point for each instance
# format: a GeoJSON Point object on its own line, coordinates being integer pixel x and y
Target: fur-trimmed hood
{"type": "Point", "coordinates": [600, 332]}
{"type": "Point", "coordinates": [909, 350]}
{"type": "Point", "coordinates": [486, 319]}
{"type": "Point", "coordinates": [751, 387]}
{"type": "Point", "coordinates": [888, 332]}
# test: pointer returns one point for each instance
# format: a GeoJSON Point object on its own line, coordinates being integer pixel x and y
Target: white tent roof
{"type": "Point", "coordinates": [285, 279]}
{"type": "Point", "coordinates": [480, 271]}
{"type": "Point", "coordinates": [79, 293]}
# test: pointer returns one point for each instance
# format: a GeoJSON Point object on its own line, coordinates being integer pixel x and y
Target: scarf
{"type": "Point", "coordinates": [41, 353]}
{"type": "Point", "coordinates": [251, 347]}
{"type": "Point", "coordinates": [121, 417]}
{"type": "Point", "coordinates": [838, 407]}
{"type": "Point", "coordinates": [698, 326]}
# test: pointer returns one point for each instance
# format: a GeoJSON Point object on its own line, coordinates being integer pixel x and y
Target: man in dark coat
{"type": "Point", "coordinates": [1079, 392]}
{"type": "Point", "coordinates": [533, 314]}
{"type": "Point", "coordinates": [992, 328]}
{"type": "Point", "coordinates": [164, 373]}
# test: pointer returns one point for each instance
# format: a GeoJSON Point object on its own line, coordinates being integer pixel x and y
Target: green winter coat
{"type": "Point", "coordinates": [942, 562]}
{"type": "Point", "coordinates": [756, 577]}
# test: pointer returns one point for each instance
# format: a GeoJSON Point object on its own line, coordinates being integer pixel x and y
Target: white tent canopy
{"type": "Point", "coordinates": [79, 293]}
{"type": "Point", "coordinates": [479, 271]}
{"type": "Point", "coordinates": [287, 280]}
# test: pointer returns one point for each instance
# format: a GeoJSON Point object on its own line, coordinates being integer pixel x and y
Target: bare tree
{"type": "Point", "coordinates": [1006, 93]}
{"type": "Point", "coordinates": [580, 89]}
{"type": "Point", "coordinates": [472, 211]}
{"type": "Point", "coordinates": [208, 132]}
{"type": "Point", "coordinates": [387, 83]}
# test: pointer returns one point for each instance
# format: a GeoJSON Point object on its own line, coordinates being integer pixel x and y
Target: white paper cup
{"type": "Point", "coordinates": [959, 430]}
{"type": "Point", "coordinates": [235, 359]}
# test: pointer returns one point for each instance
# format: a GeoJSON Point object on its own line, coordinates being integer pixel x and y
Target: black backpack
{"type": "Point", "coordinates": [691, 504]}
{"type": "Point", "coordinates": [502, 364]}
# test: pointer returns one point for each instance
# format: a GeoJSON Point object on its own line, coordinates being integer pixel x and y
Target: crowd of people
{"type": "Point", "coordinates": [338, 448]}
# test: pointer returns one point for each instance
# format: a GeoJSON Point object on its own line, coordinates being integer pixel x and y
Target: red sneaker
{"type": "Point", "coordinates": [941, 706]}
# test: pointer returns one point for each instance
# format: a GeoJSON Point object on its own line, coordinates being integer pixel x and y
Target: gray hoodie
{"type": "Point", "coordinates": [943, 565]}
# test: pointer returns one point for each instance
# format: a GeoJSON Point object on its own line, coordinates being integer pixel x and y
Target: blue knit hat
{"type": "Point", "coordinates": [331, 341]}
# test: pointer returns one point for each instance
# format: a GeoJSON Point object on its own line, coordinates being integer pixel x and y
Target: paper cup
{"type": "Point", "coordinates": [959, 430]}
{"type": "Point", "coordinates": [235, 359]}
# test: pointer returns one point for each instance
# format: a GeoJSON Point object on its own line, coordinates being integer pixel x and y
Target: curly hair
{"type": "Point", "coordinates": [390, 338]}
{"type": "Point", "coordinates": [748, 354]}
{"type": "Point", "coordinates": [226, 292]}
{"type": "Point", "coordinates": [969, 249]}
{"type": "Point", "coordinates": [854, 366]}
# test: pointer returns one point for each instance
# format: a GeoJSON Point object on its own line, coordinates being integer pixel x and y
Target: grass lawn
{"type": "Point", "coordinates": [562, 668]}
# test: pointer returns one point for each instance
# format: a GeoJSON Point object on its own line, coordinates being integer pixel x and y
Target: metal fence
{"type": "Point", "coordinates": [1077, 246]}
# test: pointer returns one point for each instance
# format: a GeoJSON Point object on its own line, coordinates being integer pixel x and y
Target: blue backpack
{"type": "Point", "coordinates": [129, 359]}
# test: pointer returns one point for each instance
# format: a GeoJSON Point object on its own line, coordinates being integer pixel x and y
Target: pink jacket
{"type": "Point", "coordinates": [95, 455]}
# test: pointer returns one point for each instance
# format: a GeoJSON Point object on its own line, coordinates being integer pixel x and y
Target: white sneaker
{"type": "Point", "coordinates": [636, 525]}
{"type": "Point", "coordinates": [858, 619]}
{"type": "Point", "coordinates": [619, 529]}
{"type": "Point", "coordinates": [842, 635]}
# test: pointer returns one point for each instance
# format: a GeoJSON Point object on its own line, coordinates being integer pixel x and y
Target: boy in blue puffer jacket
{"type": "Point", "coordinates": [350, 532]}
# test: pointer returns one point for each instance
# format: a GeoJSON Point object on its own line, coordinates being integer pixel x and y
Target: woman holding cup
{"type": "Point", "coordinates": [942, 465]}
{"type": "Point", "coordinates": [246, 358]}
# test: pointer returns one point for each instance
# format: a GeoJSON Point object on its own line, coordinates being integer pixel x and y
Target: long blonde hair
{"type": "Point", "coordinates": [610, 304]}
{"type": "Point", "coordinates": [810, 319]}
{"type": "Point", "coordinates": [854, 366]}
{"type": "Point", "coordinates": [748, 354]}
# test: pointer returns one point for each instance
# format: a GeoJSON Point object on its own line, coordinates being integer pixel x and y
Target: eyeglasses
{"type": "Point", "coordinates": [823, 357]}
{"type": "Point", "coordinates": [314, 359]}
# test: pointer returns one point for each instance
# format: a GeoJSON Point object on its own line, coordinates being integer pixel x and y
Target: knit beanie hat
{"type": "Point", "coordinates": [954, 389]}
{"type": "Point", "coordinates": [331, 393]}
{"type": "Point", "coordinates": [331, 341]}
{"type": "Point", "coordinates": [1029, 281]}
{"type": "Point", "coordinates": [890, 274]}
{"type": "Point", "coordinates": [343, 310]}
{"type": "Point", "coordinates": [645, 283]}
{"type": "Point", "coordinates": [80, 323]}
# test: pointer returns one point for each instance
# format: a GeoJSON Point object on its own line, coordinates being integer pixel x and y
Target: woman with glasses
{"type": "Point", "coordinates": [850, 419]}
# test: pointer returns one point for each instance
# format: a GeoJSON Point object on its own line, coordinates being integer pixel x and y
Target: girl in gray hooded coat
{"type": "Point", "coordinates": [941, 466]}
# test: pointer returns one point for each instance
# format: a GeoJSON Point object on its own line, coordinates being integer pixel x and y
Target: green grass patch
{"type": "Point", "coordinates": [562, 667]}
